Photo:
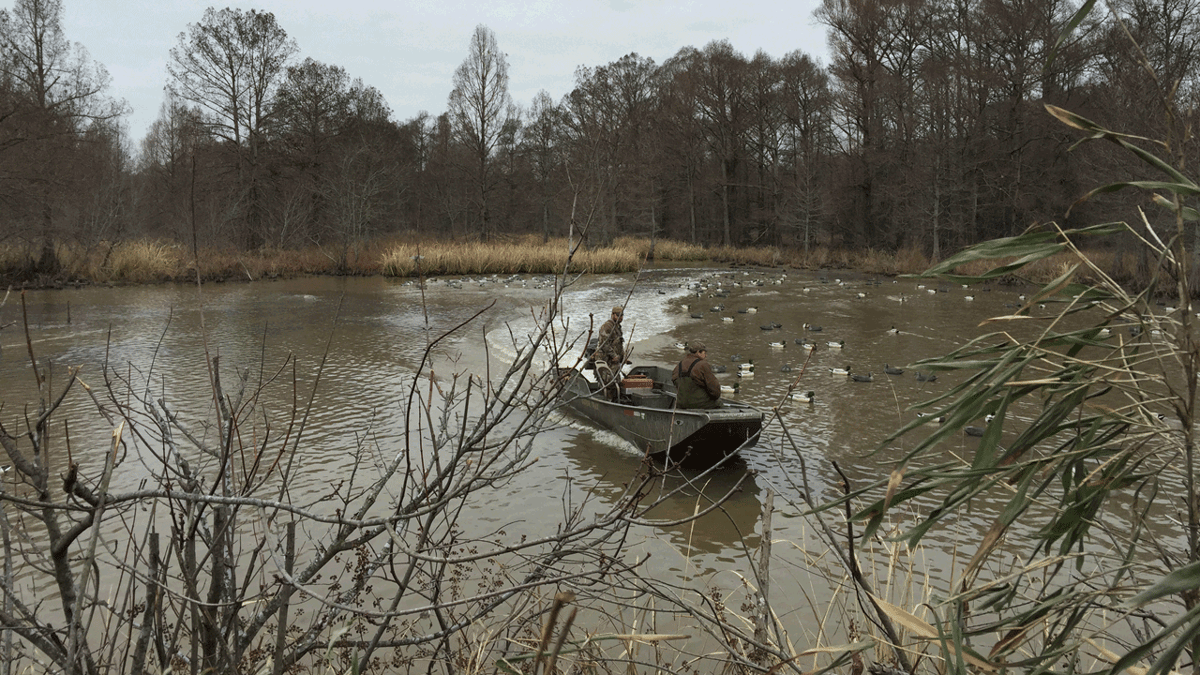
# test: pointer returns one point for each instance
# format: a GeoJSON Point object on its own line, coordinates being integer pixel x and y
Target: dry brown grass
{"type": "Point", "coordinates": [140, 262]}
{"type": "Point", "coordinates": [152, 261]}
{"type": "Point", "coordinates": [520, 258]}
{"type": "Point", "coordinates": [664, 249]}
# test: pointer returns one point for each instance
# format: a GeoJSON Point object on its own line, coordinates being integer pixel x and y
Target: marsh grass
{"type": "Point", "coordinates": [142, 261]}
{"type": "Point", "coordinates": [441, 258]}
{"type": "Point", "coordinates": [664, 249]}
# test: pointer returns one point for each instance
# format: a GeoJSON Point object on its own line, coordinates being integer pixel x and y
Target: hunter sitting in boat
{"type": "Point", "coordinates": [694, 380]}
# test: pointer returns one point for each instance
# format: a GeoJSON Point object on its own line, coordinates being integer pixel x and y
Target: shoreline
{"type": "Point", "coordinates": [145, 262]}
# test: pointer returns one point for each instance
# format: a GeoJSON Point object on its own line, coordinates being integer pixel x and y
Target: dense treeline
{"type": "Point", "coordinates": [926, 130]}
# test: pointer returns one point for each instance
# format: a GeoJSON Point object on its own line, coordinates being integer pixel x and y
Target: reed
{"type": "Point", "coordinates": [442, 258]}
{"type": "Point", "coordinates": [664, 249]}
{"type": "Point", "coordinates": [140, 262]}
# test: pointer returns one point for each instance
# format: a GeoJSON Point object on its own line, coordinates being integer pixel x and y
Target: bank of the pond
{"type": "Point", "coordinates": [148, 261]}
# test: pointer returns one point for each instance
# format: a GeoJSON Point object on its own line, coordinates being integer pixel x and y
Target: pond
{"type": "Point", "coordinates": [367, 336]}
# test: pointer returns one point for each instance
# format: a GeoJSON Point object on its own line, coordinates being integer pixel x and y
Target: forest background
{"type": "Point", "coordinates": [925, 132]}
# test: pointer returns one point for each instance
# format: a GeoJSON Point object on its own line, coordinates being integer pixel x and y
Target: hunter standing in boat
{"type": "Point", "coordinates": [610, 353]}
{"type": "Point", "coordinates": [695, 383]}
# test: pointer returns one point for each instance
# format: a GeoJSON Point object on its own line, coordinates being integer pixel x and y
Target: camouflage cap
{"type": "Point", "coordinates": [696, 346]}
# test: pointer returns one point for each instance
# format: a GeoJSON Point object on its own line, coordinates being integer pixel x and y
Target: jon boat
{"type": "Point", "coordinates": [645, 415]}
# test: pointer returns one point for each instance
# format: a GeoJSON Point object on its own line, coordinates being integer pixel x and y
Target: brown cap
{"type": "Point", "coordinates": [696, 346]}
{"type": "Point", "coordinates": [618, 310]}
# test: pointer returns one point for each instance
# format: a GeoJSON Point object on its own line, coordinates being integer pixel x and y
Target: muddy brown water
{"type": "Point", "coordinates": [376, 330]}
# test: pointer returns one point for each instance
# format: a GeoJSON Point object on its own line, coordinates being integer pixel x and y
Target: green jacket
{"type": "Point", "coordinates": [696, 385]}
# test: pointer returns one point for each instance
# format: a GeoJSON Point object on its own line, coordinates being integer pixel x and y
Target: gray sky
{"type": "Point", "coordinates": [410, 49]}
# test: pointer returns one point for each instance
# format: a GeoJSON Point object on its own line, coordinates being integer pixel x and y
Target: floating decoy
{"type": "Point", "coordinates": [775, 324]}
{"type": "Point", "coordinates": [719, 369]}
{"type": "Point", "coordinates": [801, 341]}
{"type": "Point", "coordinates": [893, 331]}
{"type": "Point", "coordinates": [973, 431]}
{"type": "Point", "coordinates": [717, 308]}
{"type": "Point", "coordinates": [836, 344]}
{"type": "Point", "coordinates": [922, 377]}
{"type": "Point", "coordinates": [941, 419]}
{"type": "Point", "coordinates": [892, 371]}
{"type": "Point", "coordinates": [812, 328]}
{"type": "Point", "coordinates": [808, 346]}
{"type": "Point", "coordinates": [729, 388]}
{"type": "Point", "coordinates": [748, 372]}
{"type": "Point", "coordinates": [697, 315]}
{"type": "Point", "coordinates": [785, 368]}
{"type": "Point", "coordinates": [752, 310]}
{"type": "Point", "coordinates": [727, 319]}
{"type": "Point", "coordinates": [987, 419]}
{"type": "Point", "coordinates": [775, 345]}
{"type": "Point", "coordinates": [742, 311]}
{"type": "Point", "coordinates": [968, 298]}
{"type": "Point", "coordinates": [869, 377]}
{"type": "Point", "coordinates": [806, 397]}
{"type": "Point", "coordinates": [681, 345]}
{"type": "Point", "coordinates": [768, 326]}
{"type": "Point", "coordinates": [736, 358]}
{"type": "Point", "coordinates": [844, 370]}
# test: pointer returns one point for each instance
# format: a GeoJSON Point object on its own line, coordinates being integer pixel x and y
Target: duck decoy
{"type": "Point", "coordinates": [869, 377]}
{"type": "Point", "coordinates": [940, 420]}
{"type": "Point", "coordinates": [742, 310]}
{"type": "Point", "coordinates": [836, 344]}
{"type": "Point", "coordinates": [717, 308]}
{"type": "Point", "coordinates": [785, 368]}
{"type": "Point", "coordinates": [973, 431]}
{"type": "Point", "coordinates": [801, 341]}
{"type": "Point", "coordinates": [844, 370]}
{"type": "Point", "coordinates": [729, 388]}
{"type": "Point", "coordinates": [767, 326]}
{"type": "Point", "coordinates": [727, 319]}
{"type": "Point", "coordinates": [775, 345]}
{"type": "Point", "coordinates": [719, 369]}
{"type": "Point", "coordinates": [892, 371]}
{"type": "Point", "coordinates": [681, 345]}
{"type": "Point", "coordinates": [968, 298]}
{"type": "Point", "coordinates": [812, 328]}
{"type": "Point", "coordinates": [736, 358]}
{"type": "Point", "coordinates": [752, 310]}
{"type": "Point", "coordinates": [806, 397]}
{"type": "Point", "coordinates": [748, 373]}
{"type": "Point", "coordinates": [922, 377]}
{"type": "Point", "coordinates": [893, 331]}
{"type": "Point", "coordinates": [697, 315]}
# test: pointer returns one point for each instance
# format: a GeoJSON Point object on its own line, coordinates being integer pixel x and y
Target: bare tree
{"type": "Point", "coordinates": [230, 64]}
{"type": "Point", "coordinates": [58, 97]}
{"type": "Point", "coordinates": [480, 108]}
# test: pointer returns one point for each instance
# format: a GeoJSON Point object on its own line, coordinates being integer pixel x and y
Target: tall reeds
{"type": "Point", "coordinates": [438, 258]}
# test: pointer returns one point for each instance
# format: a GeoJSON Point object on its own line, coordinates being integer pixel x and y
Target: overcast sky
{"type": "Point", "coordinates": [409, 50]}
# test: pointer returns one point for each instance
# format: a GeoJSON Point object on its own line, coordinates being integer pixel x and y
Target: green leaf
{"type": "Point", "coordinates": [1185, 578]}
